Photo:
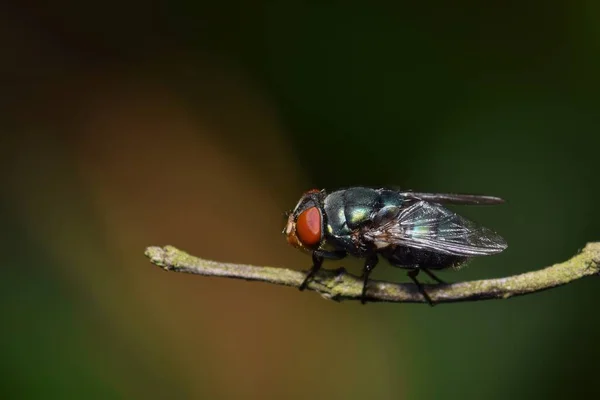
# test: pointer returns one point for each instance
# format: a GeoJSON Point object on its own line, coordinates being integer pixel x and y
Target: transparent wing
{"type": "Point", "coordinates": [430, 226]}
{"type": "Point", "coordinates": [450, 198]}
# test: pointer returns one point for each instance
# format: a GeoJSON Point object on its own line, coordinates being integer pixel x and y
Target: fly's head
{"type": "Point", "coordinates": [304, 228]}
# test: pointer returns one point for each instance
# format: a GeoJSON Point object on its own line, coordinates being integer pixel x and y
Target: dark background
{"type": "Point", "coordinates": [126, 124]}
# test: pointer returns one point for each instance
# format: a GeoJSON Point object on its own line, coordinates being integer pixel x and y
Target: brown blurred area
{"type": "Point", "coordinates": [105, 153]}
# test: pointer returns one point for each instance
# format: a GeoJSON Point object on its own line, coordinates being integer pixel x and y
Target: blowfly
{"type": "Point", "coordinates": [410, 230]}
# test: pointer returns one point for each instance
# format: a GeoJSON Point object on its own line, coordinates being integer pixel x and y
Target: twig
{"type": "Point", "coordinates": [340, 285]}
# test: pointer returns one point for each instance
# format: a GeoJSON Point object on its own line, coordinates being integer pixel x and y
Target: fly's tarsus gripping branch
{"type": "Point", "coordinates": [340, 285]}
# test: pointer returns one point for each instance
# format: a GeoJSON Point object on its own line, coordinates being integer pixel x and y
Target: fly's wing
{"type": "Point", "coordinates": [429, 226]}
{"type": "Point", "coordinates": [459, 199]}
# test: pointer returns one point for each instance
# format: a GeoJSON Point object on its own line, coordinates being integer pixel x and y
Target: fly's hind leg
{"type": "Point", "coordinates": [412, 274]}
{"type": "Point", "coordinates": [432, 276]}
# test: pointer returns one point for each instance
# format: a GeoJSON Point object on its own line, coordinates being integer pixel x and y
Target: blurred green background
{"type": "Point", "coordinates": [127, 123]}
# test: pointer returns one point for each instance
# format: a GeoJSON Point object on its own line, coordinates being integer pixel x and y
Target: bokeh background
{"type": "Point", "coordinates": [127, 123]}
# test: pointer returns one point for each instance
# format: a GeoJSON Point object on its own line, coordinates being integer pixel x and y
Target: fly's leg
{"type": "Point", "coordinates": [318, 256]}
{"type": "Point", "coordinates": [370, 264]}
{"type": "Point", "coordinates": [432, 276]}
{"type": "Point", "coordinates": [317, 262]}
{"type": "Point", "coordinates": [412, 274]}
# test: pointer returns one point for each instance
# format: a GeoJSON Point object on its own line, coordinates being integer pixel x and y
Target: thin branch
{"type": "Point", "coordinates": [340, 285]}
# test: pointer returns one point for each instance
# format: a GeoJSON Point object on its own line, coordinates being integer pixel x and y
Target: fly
{"type": "Point", "coordinates": [410, 230]}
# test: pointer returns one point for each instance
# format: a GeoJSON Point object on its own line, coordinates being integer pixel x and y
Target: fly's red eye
{"type": "Point", "coordinates": [308, 227]}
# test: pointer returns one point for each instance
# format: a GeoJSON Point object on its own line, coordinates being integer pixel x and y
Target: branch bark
{"type": "Point", "coordinates": [340, 285]}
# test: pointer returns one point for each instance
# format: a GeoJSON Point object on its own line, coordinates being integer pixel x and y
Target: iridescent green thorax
{"type": "Point", "coordinates": [349, 209]}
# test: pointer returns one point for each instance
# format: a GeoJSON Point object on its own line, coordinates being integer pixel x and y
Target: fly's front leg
{"type": "Point", "coordinates": [370, 264]}
{"type": "Point", "coordinates": [318, 256]}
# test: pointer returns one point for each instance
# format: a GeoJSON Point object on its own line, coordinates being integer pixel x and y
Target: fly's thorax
{"type": "Point", "coordinates": [346, 211]}
{"type": "Point", "coordinates": [350, 209]}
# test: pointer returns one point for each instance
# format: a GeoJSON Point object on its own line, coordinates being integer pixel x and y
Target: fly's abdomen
{"type": "Point", "coordinates": [408, 257]}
